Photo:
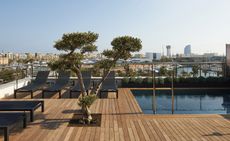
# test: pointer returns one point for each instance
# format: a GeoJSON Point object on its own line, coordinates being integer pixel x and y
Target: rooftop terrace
{"type": "Point", "coordinates": [122, 119]}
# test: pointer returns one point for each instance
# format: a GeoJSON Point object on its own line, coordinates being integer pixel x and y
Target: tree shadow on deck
{"type": "Point", "coordinates": [217, 134]}
{"type": "Point", "coordinates": [50, 124]}
{"type": "Point", "coordinates": [53, 124]}
{"type": "Point", "coordinates": [72, 111]}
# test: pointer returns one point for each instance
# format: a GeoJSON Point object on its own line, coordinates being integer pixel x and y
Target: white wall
{"type": "Point", "coordinates": [8, 88]}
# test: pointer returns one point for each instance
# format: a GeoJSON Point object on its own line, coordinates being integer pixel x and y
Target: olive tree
{"type": "Point", "coordinates": [76, 45]}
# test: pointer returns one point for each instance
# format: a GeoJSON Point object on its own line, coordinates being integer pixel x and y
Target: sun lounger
{"type": "Point", "coordinates": [86, 75]}
{"type": "Point", "coordinates": [109, 84]}
{"type": "Point", "coordinates": [8, 121]}
{"type": "Point", "coordinates": [37, 84]}
{"type": "Point", "coordinates": [61, 82]}
{"type": "Point", "coordinates": [30, 106]}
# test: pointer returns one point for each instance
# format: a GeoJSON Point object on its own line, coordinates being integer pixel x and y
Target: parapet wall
{"type": "Point", "coordinates": [8, 88]}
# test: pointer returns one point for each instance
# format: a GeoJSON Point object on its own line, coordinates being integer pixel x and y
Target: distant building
{"type": "Point", "coordinates": [153, 56]}
{"type": "Point", "coordinates": [30, 55]}
{"type": "Point", "coordinates": [149, 55]}
{"type": "Point", "coordinates": [228, 54]}
{"type": "Point", "coordinates": [187, 50]}
{"type": "Point", "coordinates": [168, 47]}
{"type": "Point", "coordinates": [228, 58]}
{"type": "Point", "coordinates": [10, 55]}
{"type": "Point", "coordinates": [138, 55]}
{"type": "Point", "coordinates": [4, 60]}
{"type": "Point", "coordinates": [210, 54]}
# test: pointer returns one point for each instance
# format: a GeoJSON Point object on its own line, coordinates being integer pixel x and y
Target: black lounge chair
{"type": "Point", "coordinates": [30, 106]}
{"type": "Point", "coordinates": [61, 82]}
{"type": "Point", "coordinates": [86, 75]}
{"type": "Point", "coordinates": [9, 120]}
{"type": "Point", "coordinates": [109, 84]}
{"type": "Point", "coordinates": [37, 84]}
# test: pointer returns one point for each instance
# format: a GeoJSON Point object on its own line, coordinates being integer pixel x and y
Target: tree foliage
{"type": "Point", "coordinates": [83, 41]}
{"type": "Point", "coordinates": [66, 61]}
{"type": "Point", "coordinates": [163, 71]}
{"type": "Point", "coordinates": [87, 101]}
{"type": "Point", "coordinates": [122, 47]}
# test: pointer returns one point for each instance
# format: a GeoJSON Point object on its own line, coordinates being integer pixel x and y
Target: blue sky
{"type": "Point", "coordinates": [33, 26]}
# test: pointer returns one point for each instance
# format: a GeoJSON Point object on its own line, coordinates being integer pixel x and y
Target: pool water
{"type": "Point", "coordinates": [185, 101]}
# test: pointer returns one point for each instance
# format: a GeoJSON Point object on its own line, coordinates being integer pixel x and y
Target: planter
{"type": "Point", "coordinates": [77, 121]}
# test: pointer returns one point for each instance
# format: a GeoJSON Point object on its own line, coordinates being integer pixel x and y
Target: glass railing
{"type": "Point", "coordinates": [133, 71]}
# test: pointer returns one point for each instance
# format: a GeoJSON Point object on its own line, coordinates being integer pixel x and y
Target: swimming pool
{"type": "Point", "coordinates": [185, 101]}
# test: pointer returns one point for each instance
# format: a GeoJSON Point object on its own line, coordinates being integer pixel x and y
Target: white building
{"type": "Point", "coordinates": [153, 55]}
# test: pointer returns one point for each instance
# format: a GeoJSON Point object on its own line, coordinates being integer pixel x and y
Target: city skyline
{"type": "Point", "coordinates": [28, 26]}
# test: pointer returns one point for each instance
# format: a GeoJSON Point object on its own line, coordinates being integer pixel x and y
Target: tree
{"type": "Point", "coordinates": [122, 47]}
{"type": "Point", "coordinates": [83, 43]}
{"type": "Point", "coordinates": [195, 70]}
{"type": "Point", "coordinates": [165, 59]}
{"type": "Point", "coordinates": [127, 69]}
{"type": "Point", "coordinates": [163, 71]}
{"type": "Point", "coordinates": [205, 71]}
{"type": "Point", "coordinates": [184, 73]}
{"type": "Point", "coordinates": [76, 45]}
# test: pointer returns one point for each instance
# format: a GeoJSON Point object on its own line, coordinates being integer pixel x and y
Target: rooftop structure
{"type": "Point", "coordinates": [168, 47]}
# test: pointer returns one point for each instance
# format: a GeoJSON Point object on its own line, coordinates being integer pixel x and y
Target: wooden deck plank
{"type": "Point", "coordinates": [122, 119]}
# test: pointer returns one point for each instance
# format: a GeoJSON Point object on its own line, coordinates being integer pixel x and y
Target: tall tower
{"type": "Point", "coordinates": [187, 50]}
{"type": "Point", "coordinates": [168, 47]}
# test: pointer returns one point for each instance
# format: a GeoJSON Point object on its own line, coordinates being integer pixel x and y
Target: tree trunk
{"type": "Point", "coordinates": [106, 73]}
{"type": "Point", "coordinates": [87, 114]}
{"type": "Point", "coordinates": [80, 80]}
{"type": "Point", "coordinates": [98, 85]}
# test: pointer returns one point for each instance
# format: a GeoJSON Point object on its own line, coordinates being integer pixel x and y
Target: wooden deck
{"type": "Point", "coordinates": [122, 119]}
